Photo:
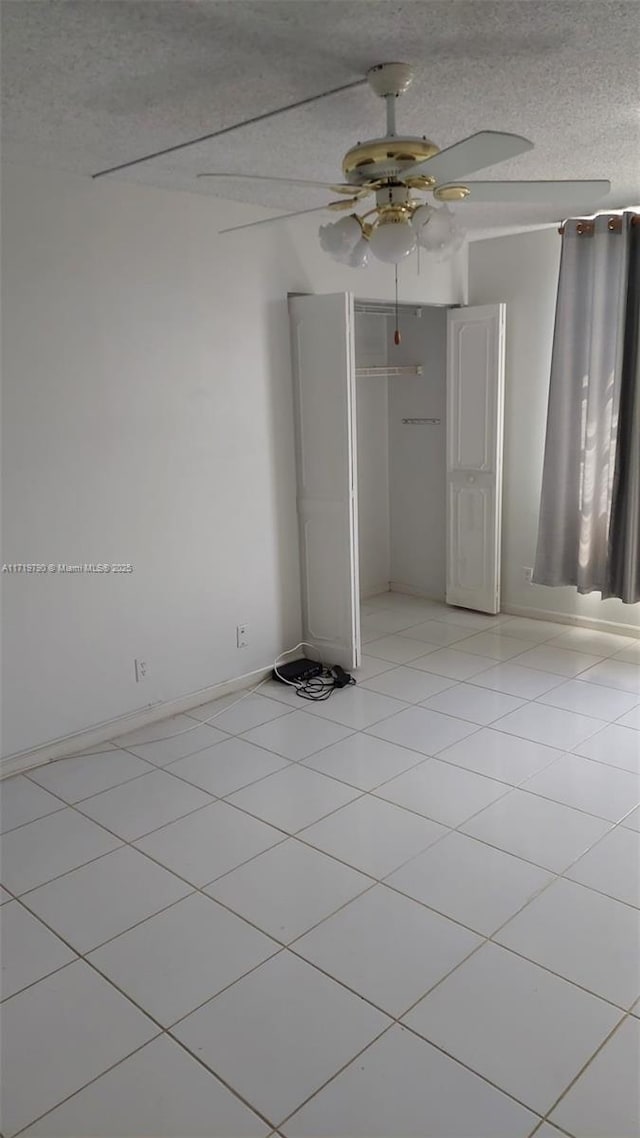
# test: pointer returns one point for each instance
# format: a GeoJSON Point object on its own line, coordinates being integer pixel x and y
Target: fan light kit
{"type": "Point", "coordinates": [396, 167]}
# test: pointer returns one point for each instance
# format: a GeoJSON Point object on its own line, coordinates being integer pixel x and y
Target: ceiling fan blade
{"type": "Point", "coordinates": [343, 203]}
{"type": "Point", "coordinates": [273, 220]}
{"type": "Point", "coordinates": [486, 148]}
{"type": "Point", "coordinates": [555, 193]}
{"type": "Point", "coordinates": [228, 129]}
{"type": "Point", "coordinates": [338, 189]}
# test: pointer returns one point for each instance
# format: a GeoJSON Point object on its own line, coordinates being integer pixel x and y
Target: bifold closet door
{"type": "Point", "coordinates": [475, 410]}
{"type": "Point", "coordinates": [322, 333]}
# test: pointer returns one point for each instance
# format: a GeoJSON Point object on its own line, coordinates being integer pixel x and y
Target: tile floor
{"type": "Point", "coordinates": [411, 910]}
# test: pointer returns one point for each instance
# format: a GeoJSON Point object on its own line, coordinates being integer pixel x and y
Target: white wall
{"type": "Point", "coordinates": [417, 456]}
{"type": "Point", "coordinates": [523, 271]}
{"type": "Point", "coordinates": [372, 420]}
{"type": "Point", "coordinates": [147, 419]}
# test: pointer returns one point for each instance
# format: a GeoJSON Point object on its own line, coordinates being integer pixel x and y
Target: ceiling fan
{"type": "Point", "coordinates": [395, 166]}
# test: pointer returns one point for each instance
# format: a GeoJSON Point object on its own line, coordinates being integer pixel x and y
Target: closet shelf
{"type": "Point", "coordinates": [374, 308]}
{"type": "Point", "coordinates": [414, 369]}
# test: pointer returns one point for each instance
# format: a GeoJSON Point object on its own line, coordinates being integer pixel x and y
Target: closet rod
{"type": "Point", "coordinates": [386, 310]}
{"type": "Point", "coordinates": [414, 369]}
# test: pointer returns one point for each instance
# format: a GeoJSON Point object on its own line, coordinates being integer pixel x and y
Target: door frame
{"type": "Point", "coordinates": [351, 300]}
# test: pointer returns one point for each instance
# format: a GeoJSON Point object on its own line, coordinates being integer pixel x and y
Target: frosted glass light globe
{"type": "Point", "coordinates": [452, 246]}
{"type": "Point", "coordinates": [358, 258]}
{"type": "Point", "coordinates": [340, 237]}
{"type": "Point", "coordinates": [421, 217]}
{"type": "Point", "coordinates": [392, 240]}
{"type": "Point", "coordinates": [438, 233]}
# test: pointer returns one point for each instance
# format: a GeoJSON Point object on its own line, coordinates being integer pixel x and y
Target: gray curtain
{"type": "Point", "coordinates": [589, 527]}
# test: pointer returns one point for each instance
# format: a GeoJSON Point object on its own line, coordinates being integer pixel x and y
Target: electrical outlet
{"type": "Point", "coordinates": [242, 635]}
{"type": "Point", "coordinates": [141, 670]}
{"type": "Point", "coordinates": [527, 573]}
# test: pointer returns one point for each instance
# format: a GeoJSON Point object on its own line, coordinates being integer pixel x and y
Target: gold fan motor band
{"type": "Point", "coordinates": [363, 158]}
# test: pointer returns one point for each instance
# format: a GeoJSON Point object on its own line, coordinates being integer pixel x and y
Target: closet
{"type": "Point", "coordinates": [399, 454]}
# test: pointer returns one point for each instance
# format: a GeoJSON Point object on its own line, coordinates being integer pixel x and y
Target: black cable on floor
{"type": "Point", "coordinates": [320, 687]}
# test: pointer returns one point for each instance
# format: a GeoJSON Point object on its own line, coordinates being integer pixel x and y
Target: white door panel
{"type": "Point", "coordinates": [324, 382]}
{"type": "Point", "coordinates": [475, 398]}
{"type": "Point", "coordinates": [471, 512]}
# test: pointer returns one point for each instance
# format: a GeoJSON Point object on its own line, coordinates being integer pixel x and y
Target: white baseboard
{"type": "Point", "coordinates": [82, 741]}
{"type": "Point", "coordinates": [413, 591]}
{"type": "Point", "coordinates": [572, 619]}
{"type": "Point", "coordinates": [374, 590]}
{"type": "Point", "coordinates": [535, 614]}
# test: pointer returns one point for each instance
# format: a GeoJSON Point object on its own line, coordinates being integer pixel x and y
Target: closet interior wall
{"type": "Point", "coordinates": [417, 456]}
{"type": "Point", "coordinates": [402, 467]}
{"type": "Point", "coordinates": [372, 417]}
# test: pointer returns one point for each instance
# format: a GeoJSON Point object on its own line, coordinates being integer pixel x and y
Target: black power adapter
{"type": "Point", "coordinates": [312, 680]}
{"type": "Point", "coordinates": [341, 679]}
{"type": "Point", "coordinates": [297, 671]}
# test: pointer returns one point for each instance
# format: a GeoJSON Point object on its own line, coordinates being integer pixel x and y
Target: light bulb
{"type": "Point", "coordinates": [392, 239]}
{"type": "Point", "coordinates": [339, 238]}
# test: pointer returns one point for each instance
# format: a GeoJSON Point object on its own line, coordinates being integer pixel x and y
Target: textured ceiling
{"type": "Point", "coordinates": [87, 84]}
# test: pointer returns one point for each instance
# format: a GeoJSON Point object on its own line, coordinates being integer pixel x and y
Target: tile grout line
{"type": "Point", "coordinates": [485, 939]}
{"type": "Point", "coordinates": [284, 948]}
{"type": "Point", "coordinates": [502, 618]}
{"type": "Point", "coordinates": [12, 829]}
{"type": "Point", "coordinates": [478, 727]}
{"type": "Point", "coordinates": [298, 836]}
{"type": "Point", "coordinates": [538, 1130]}
{"type": "Point", "coordinates": [33, 1121]}
{"type": "Point", "coordinates": [372, 793]}
{"type": "Point", "coordinates": [380, 881]}
{"type": "Point", "coordinates": [162, 1030]}
{"type": "Point", "coordinates": [287, 835]}
{"type": "Point", "coordinates": [167, 1030]}
{"type": "Point", "coordinates": [438, 756]}
{"type": "Point", "coordinates": [588, 1063]}
{"type": "Point", "coordinates": [96, 793]}
{"type": "Point", "coordinates": [366, 730]}
{"type": "Point", "coordinates": [396, 1022]}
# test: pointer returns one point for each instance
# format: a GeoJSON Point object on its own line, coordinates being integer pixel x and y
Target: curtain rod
{"type": "Point", "coordinates": [614, 225]}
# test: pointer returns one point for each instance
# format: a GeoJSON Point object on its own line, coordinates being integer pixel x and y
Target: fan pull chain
{"type": "Point", "coordinates": [396, 334]}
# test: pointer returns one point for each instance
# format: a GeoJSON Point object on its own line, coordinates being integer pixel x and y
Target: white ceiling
{"type": "Point", "coordinates": [87, 84]}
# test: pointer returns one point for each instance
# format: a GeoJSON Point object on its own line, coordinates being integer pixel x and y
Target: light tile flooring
{"type": "Point", "coordinates": [411, 910]}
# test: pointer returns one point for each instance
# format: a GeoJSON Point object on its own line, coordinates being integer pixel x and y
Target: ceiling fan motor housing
{"type": "Point", "coordinates": [385, 158]}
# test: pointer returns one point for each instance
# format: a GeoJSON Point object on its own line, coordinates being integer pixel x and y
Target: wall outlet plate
{"type": "Point", "coordinates": [242, 635]}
